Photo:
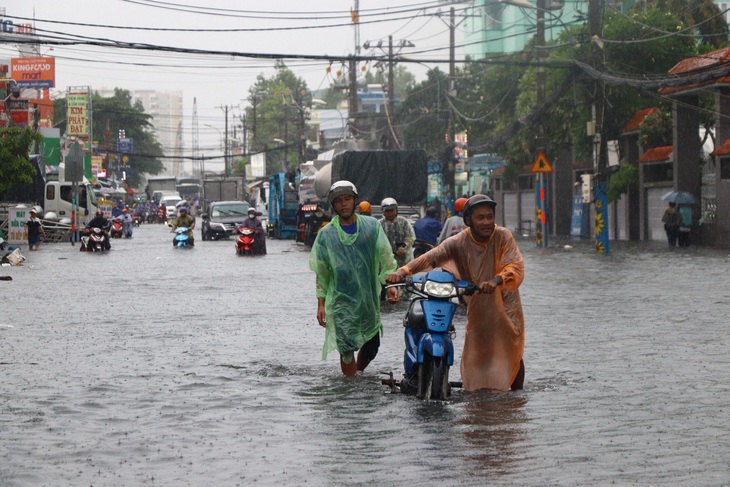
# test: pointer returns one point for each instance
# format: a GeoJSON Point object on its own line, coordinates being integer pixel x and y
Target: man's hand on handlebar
{"type": "Point", "coordinates": [488, 287]}
{"type": "Point", "coordinates": [395, 278]}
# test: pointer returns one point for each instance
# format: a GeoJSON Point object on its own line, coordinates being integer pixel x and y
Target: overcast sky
{"type": "Point", "coordinates": [291, 27]}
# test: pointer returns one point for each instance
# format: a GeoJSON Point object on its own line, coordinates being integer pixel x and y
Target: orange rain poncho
{"type": "Point", "coordinates": [495, 326]}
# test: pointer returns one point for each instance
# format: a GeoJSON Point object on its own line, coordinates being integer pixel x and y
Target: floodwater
{"type": "Point", "coordinates": [155, 366]}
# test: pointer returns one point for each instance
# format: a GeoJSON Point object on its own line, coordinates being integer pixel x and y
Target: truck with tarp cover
{"type": "Point", "coordinates": [377, 174]}
{"type": "Point", "coordinates": [231, 188]}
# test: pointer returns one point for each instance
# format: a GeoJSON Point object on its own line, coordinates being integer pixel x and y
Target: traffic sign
{"type": "Point", "coordinates": [541, 164]}
{"type": "Point", "coordinates": [75, 163]}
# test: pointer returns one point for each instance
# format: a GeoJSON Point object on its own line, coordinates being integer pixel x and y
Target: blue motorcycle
{"type": "Point", "coordinates": [429, 333]}
{"type": "Point", "coordinates": [181, 239]}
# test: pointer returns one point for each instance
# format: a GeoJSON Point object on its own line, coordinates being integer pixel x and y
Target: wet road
{"type": "Point", "coordinates": [155, 366]}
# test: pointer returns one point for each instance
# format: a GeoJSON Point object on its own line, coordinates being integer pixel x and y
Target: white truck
{"type": "Point", "coordinates": [58, 197]}
{"type": "Point", "coordinates": [56, 205]}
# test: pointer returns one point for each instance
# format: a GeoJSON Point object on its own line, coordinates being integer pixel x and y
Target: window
{"type": "Point", "coordinates": [67, 195]}
{"type": "Point", "coordinates": [725, 168]}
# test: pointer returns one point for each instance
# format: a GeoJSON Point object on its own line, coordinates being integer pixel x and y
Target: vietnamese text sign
{"type": "Point", "coordinates": [125, 145]}
{"type": "Point", "coordinates": [34, 72]}
{"type": "Point", "coordinates": [17, 231]}
{"type": "Point", "coordinates": [18, 111]}
{"type": "Point", "coordinates": [77, 116]}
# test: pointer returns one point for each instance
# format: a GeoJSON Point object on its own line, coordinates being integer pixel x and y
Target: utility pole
{"type": "Point", "coordinates": [452, 75]}
{"type": "Point", "coordinates": [254, 99]}
{"type": "Point", "coordinates": [542, 232]}
{"type": "Point", "coordinates": [391, 81]}
{"type": "Point", "coordinates": [600, 179]}
{"type": "Point", "coordinates": [226, 162]}
{"type": "Point", "coordinates": [352, 103]}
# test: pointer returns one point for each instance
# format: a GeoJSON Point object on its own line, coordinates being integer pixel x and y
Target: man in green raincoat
{"type": "Point", "coordinates": [351, 257]}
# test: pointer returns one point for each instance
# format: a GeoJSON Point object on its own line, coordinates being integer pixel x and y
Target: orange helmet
{"type": "Point", "coordinates": [459, 204]}
{"type": "Point", "coordinates": [364, 207]}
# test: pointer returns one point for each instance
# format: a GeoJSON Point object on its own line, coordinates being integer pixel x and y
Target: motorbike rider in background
{"type": "Point", "coordinates": [364, 208]}
{"type": "Point", "coordinates": [184, 220]}
{"type": "Point", "coordinates": [398, 230]}
{"type": "Point", "coordinates": [127, 223]}
{"type": "Point", "coordinates": [254, 223]}
{"type": "Point", "coordinates": [428, 228]}
{"type": "Point", "coordinates": [454, 224]}
{"type": "Point", "coordinates": [100, 221]}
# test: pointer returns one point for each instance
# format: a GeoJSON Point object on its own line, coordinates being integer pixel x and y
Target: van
{"type": "Point", "coordinates": [170, 201]}
{"type": "Point", "coordinates": [158, 195]}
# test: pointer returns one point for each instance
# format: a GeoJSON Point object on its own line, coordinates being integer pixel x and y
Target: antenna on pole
{"type": "Point", "coordinates": [197, 164]}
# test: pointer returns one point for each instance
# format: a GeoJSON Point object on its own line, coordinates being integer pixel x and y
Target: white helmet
{"type": "Point", "coordinates": [339, 188]}
{"type": "Point", "coordinates": [388, 204]}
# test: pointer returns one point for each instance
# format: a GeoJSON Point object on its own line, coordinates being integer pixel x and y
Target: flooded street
{"type": "Point", "coordinates": [156, 366]}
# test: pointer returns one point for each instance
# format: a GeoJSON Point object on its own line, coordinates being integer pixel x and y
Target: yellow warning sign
{"type": "Point", "coordinates": [541, 164]}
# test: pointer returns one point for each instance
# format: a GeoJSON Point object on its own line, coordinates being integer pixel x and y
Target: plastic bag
{"type": "Point", "coordinates": [13, 258]}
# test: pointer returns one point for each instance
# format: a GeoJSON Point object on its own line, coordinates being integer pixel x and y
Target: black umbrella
{"type": "Point", "coordinates": [681, 198]}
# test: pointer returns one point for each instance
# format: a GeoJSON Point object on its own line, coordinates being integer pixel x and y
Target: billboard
{"type": "Point", "coordinates": [34, 72]}
{"type": "Point", "coordinates": [19, 111]}
{"type": "Point", "coordinates": [77, 117]}
{"type": "Point", "coordinates": [258, 165]}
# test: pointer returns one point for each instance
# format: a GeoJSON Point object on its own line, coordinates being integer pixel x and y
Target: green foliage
{"type": "Point", "coordinates": [403, 81]}
{"type": "Point", "coordinates": [15, 166]}
{"type": "Point", "coordinates": [115, 113]}
{"type": "Point", "coordinates": [282, 108]}
{"type": "Point", "coordinates": [626, 178]}
{"type": "Point", "coordinates": [704, 15]}
{"type": "Point", "coordinates": [656, 130]}
{"type": "Point", "coordinates": [422, 117]}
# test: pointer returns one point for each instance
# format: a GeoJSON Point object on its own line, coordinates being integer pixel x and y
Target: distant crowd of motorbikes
{"type": "Point", "coordinates": [97, 233]}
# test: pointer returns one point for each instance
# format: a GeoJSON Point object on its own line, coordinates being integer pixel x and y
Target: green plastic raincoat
{"type": "Point", "coordinates": [351, 271]}
{"type": "Point", "coordinates": [495, 326]}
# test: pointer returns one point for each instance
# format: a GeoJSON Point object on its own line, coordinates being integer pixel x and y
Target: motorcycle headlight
{"type": "Point", "coordinates": [439, 289]}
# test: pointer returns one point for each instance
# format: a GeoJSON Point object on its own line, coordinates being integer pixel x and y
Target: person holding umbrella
{"type": "Point", "coordinates": [685, 225]}
{"type": "Point", "coordinates": [671, 224]}
{"type": "Point", "coordinates": [678, 221]}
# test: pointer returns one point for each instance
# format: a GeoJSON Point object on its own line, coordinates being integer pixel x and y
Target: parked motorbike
{"type": "Point", "coordinates": [429, 332]}
{"type": "Point", "coordinates": [182, 239]}
{"type": "Point", "coordinates": [117, 228]}
{"type": "Point", "coordinates": [93, 240]}
{"type": "Point", "coordinates": [246, 241]}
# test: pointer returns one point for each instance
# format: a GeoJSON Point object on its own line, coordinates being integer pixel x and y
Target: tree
{"type": "Point", "coordinates": [704, 15]}
{"type": "Point", "coordinates": [422, 117]}
{"type": "Point", "coordinates": [403, 80]}
{"type": "Point", "coordinates": [117, 113]}
{"type": "Point", "coordinates": [282, 103]}
{"type": "Point", "coordinates": [15, 166]}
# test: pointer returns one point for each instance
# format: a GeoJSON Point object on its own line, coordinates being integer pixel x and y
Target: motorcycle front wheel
{"type": "Point", "coordinates": [433, 379]}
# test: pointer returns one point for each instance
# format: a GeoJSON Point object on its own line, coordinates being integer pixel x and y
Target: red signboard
{"type": "Point", "coordinates": [18, 111]}
{"type": "Point", "coordinates": [34, 72]}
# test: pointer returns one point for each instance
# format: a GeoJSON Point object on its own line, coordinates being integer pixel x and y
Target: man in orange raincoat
{"type": "Point", "coordinates": [487, 255]}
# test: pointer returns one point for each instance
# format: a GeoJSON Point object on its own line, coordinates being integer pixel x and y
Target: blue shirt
{"type": "Point", "coordinates": [349, 229]}
{"type": "Point", "coordinates": [427, 229]}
